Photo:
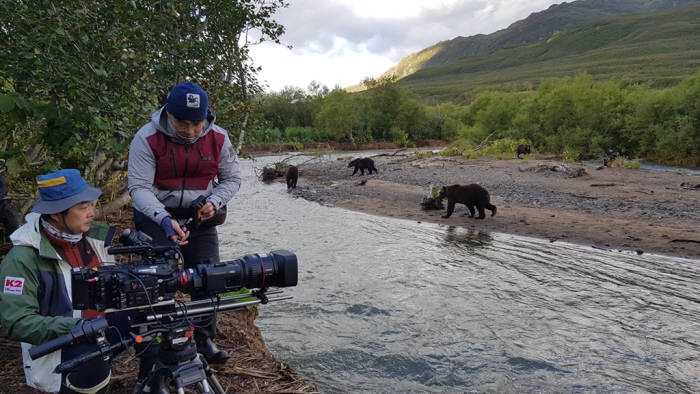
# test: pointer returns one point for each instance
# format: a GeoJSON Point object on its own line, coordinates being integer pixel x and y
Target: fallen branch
{"type": "Point", "coordinates": [602, 184]}
{"type": "Point", "coordinates": [686, 240]}
{"type": "Point", "coordinates": [483, 143]}
{"type": "Point", "coordinates": [389, 154]}
{"type": "Point", "coordinates": [114, 205]}
{"type": "Point", "coordinates": [250, 372]}
{"type": "Point", "coordinates": [582, 196]}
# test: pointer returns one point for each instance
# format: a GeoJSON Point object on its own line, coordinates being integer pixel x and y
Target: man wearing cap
{"type": "Point", "coordinates": [35, 304]}
{"type": "Point", "coordinates": [173, 160]}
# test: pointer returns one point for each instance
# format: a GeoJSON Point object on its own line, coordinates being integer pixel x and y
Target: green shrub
{"type": "Point", "coordinates": [295, 145]}
{"type": "Point", "coordinates": [423, 154]}
{"type": "Point", "coordinates": [263, 136]}
{"type": "Point", "coordinates": [505, 148]}
{"type": "Point", "coordinates": [571, 155]}
{"type": "Point", "coordinates": [459, 147]}
{"type": "Point", "coordinates": [400, 137]}
{"type": "Point", "coordinates": [622, 162]}
{"type": "Point", "coordinates": [306, 135]}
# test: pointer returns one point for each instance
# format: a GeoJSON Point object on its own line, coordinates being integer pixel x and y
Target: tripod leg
{"type": "Point", "coordinates": [218, 389]}
{"type": "Point", "coordinates": [211, 378]}
{"type": "Point", "coordinates": [205, 387]}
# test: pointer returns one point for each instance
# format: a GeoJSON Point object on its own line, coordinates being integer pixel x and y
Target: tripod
{"type": "Point", "coordinates": [174, 359]}
{"type": "Point", "coordinates": [165, 343]}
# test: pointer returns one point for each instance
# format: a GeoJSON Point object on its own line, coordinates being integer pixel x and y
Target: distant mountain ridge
{"type": "Point", "coordinates": [658, 49]}
{"type": "Point", "coordinates": [537, 27]}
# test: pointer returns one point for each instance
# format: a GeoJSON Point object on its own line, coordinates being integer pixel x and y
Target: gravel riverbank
{"type": "Point", "coordinates": [613, 208]}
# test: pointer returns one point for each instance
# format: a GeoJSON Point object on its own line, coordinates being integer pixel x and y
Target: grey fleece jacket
{"type": "Point", "coordinates": [150, 200]}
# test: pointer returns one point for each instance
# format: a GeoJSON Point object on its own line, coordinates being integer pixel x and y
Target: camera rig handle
{"type": "Point", "coordinates": [75, 362]}
{"type": "Point", "coordinates": [84, 328]}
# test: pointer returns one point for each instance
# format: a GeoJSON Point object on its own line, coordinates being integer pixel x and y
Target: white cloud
{"type": "Point", "coordinates": [340, 42]}
{"type": "Point", "coordinates": [342, 65]}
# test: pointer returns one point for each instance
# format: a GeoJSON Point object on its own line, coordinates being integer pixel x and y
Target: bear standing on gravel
{"type": "Point", "coordinates": [292, 176]}
{"type": "Point", "coordinates": [362, 164]}
{"type": "Point", "coordinates": [470, 195]}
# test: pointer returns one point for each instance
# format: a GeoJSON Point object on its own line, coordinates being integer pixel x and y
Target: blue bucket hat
{"type": "Point", "coordinates": [188, 101]}
{"type": "Point", "coordinates": [61, 190]}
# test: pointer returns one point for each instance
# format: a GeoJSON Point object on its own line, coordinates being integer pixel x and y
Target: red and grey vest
{"type": "Point", "coordinates": [186, 166]}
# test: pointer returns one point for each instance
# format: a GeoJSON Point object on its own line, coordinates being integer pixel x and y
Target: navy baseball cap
{"type": "Point", "coordinates": [188, 101]}
{"type": "Point", "coordinates": [61, 190]}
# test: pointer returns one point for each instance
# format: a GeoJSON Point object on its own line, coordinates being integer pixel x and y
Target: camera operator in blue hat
{"type": "Point", "coordinates": [36, 304]}
{"type": "Point", "coordinates": [180, 157]}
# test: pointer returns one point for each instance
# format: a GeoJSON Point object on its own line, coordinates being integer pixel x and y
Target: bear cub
{"type": "Point", "coordinates": [292, 176]}
{"type": "Point", "coordinates": [523, 149]}
{"type": "Point", "coordinates": [470, 195]}
{"type": "Point", "coordinates": [362, 165]}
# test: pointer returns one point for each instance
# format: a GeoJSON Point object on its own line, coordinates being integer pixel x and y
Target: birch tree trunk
{"type": "Point", "coordinates": [244, 92]}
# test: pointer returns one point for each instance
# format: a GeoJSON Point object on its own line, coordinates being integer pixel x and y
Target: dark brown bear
{"type": "Point", "coordinates": [292, 176]}
{"type": "Point", "coordinates": [470, 195]}
{"type": "Point", "coordinates": [362, 164]}
{"type": "Point", "coordinates": [523, 149]}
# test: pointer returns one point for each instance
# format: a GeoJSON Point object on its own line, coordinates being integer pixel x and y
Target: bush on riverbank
{"type": "Point", "coordinates": [575, 117]}
{"type": "Point", "coordinates": [505, 148]}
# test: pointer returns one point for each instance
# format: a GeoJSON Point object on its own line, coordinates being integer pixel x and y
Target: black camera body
{"type": "Point", "coordinates": [158, 275]}
{"type": "Point", "coordinates": [117, 287]}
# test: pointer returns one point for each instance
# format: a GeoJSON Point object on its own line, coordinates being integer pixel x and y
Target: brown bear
{"type": "Point", "coordinates": [523, 149]}
{"type": "Point", "coordinates": [362, 164]}
{"type": "Point", "coordinates": [292, 176]}
{"type": "Point", "coordinates": [470, 195]}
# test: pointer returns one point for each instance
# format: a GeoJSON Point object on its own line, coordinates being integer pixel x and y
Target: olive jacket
{"type": "Point", "coordinates": [36, 303]}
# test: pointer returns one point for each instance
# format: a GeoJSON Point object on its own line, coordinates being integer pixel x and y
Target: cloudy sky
{"type": "Point", "coordinates": [340, 42]}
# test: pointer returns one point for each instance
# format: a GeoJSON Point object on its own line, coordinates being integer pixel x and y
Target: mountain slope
{"type": "Point", "coordinates": [537, 27]}
{"type": "Point", "coordinates": [657, 48]}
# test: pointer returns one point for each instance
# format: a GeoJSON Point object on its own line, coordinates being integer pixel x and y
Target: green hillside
{"type": "Point", "coordinates": [656, 48]}
{"type": "Point", "coordinates": [537, 27]}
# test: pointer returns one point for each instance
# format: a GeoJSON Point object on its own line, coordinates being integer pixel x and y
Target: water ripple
{"type": "Point", "coordinates": [389, 305]}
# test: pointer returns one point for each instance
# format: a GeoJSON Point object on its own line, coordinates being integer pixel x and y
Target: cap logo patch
{"type": "Point", "coordinates": [192, 100]}
{"type": "Point", "coordinates": [13, 285]}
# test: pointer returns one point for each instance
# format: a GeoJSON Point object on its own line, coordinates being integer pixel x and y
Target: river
{"type": "Point", "coordinates": [390, 305]}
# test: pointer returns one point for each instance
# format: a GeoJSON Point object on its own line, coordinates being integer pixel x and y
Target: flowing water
{"type": "Point", "coordinates": [389, 305]}
{"type": "Point", "coordinates": [652, 166]}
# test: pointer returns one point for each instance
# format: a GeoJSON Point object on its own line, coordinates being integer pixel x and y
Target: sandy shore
{"type": "Point", "coordinates": [610, 208]}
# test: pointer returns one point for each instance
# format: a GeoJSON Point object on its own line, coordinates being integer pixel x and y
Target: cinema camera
{"type": "Point", "coordinates": [146, 290]}
{"type": "Point", "coordinates": [158, 275]}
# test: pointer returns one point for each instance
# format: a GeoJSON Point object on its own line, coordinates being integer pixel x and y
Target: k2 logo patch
{"type": "Point", "coordinates": [14, 285]}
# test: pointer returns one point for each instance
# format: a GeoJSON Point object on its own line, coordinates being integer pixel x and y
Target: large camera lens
{"type": "Point", "coordinates": [277, 268]}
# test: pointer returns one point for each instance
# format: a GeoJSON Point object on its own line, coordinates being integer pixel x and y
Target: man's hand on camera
{"type": "Point", "coordinates": [174, 232]}
{"type": "Point", "coordinates": [207, 211]}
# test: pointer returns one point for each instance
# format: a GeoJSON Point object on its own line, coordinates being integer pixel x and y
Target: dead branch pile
{"type": "Point", "coordinates": [273, 171]}
{"type": "Point", "coordinates": [557, 169]}
{"type": "Point", "coordinates": [431, 203]}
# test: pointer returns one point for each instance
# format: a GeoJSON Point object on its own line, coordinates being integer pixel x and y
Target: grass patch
{"type": "Point", "coordinates": [621, 162]}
